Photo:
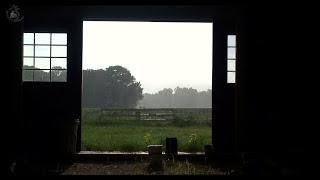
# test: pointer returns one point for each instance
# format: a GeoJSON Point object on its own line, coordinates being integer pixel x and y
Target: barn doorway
{"type": "Point", "coordinates": [144, 82]}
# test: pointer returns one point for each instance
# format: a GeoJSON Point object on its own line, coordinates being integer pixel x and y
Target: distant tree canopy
{"type": "Point", "coordinates": [177, 98]}
{"type": "Point", "coordinates": [114, 87]}
{"type": "Point", "coordinates": [57, 74]}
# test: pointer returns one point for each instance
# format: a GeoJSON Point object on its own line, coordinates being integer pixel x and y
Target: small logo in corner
{"type": "Point", "coordinates": [13, 14]}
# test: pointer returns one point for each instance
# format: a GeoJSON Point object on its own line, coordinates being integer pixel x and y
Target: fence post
{"type": "Point", "coordinates": [155, 156]}
{"type": "Point", "coordinates": [138, 115]}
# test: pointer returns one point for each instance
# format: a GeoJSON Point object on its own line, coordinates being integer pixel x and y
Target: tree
{"type": "Point", "coordinates": [36, 74]}
{"type": "Point", "coordinates": [185, 97]}
{"type": "Point", "coordinates": [94, 94]}
{"type": "Point", "coordinates": [122, 90]}
{"type": "Point", "coordinates": [115, 86]}
{"type": "Point", "coordinates": [164, 98]}
{"type": "Point", "coordinates": [58, 74]}
{"type": "Point", "coordinates": [166, 92]}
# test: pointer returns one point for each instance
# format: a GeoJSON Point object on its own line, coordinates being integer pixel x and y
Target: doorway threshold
{"type": "Point", "coordinates": [136, 152]}
{"type": "Point", "coordinates": [109, 156]}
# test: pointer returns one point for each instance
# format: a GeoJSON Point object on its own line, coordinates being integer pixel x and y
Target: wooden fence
{"type": "Point", "coordinates": [160, 114]}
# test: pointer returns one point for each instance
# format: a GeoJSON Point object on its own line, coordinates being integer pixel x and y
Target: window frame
{"type": "Point", "coordinates": [50, 57]}
{"type": "Point", "coordinates": [232, 59]}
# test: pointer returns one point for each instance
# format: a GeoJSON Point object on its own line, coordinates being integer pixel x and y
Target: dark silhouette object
{"type": "Point", "coordinates": [155, 157]}
{"type": "Point", "coordinates": [208, 150]}
{"type": "Point", "coordinates": [72, 136]}
{"type": "Point", "coordinates": [171, 146]}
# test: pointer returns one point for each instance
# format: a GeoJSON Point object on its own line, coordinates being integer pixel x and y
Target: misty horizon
{"type": "Point", "coordinates": [199, 88]}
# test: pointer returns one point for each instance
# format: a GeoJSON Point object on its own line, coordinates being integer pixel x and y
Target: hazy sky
{"type": "Point", "coordinates": [158, 54]}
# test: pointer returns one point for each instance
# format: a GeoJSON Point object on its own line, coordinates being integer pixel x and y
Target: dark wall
{"type": "Point", "coordinates": [47, 108]}
{"type": "Point", "coordinates": [273, 97]}
{"type": "Point", "coordinates": [284, 79]}
{"type": "Point", "coordinates": [11, 89]}
{"type": "Point", "coordinates": [38, 117]}
{"type": "Point", "coordinates": [266, 112]}
{"type": "Point", "coordinates": [223, 17]}
{"type": "Point", "coordinates": [50, 109]}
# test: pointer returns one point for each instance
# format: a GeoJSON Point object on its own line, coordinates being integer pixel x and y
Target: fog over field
{"type": "Point", "coordinates": [171, 61]}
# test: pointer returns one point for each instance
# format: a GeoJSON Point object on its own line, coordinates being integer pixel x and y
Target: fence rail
{"type": "Point", "coordinates": [158, 114]}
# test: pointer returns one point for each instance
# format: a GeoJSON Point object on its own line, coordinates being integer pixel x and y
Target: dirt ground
{"type": "Point", "coordinates": [141, 168]}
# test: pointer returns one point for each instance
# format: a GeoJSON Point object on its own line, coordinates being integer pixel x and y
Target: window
{"type": "Point", "coordinates": [45, 57]}
{"type": "Point", "coordinates": [231, 58]}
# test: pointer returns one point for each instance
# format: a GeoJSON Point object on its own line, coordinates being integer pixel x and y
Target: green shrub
{"type": "Point", "coordinates": [194, 142]}
{"type": "Point", "coordinates": [148, 138]}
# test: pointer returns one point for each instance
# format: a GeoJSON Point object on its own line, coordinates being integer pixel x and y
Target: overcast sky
{"type": "Point", "coordinates": [158, 54]}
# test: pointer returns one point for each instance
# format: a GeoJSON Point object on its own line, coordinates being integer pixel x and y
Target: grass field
{"type": "Point", "coordinates": [102, 133]}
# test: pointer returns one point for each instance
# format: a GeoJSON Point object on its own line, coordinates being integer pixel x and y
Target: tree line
{"type": "Point", "coordinates": [36, 74]}
{"type": "Point", "coordinates": [177, 98]}
{"type": "Point", "coordinates": [116, 87]}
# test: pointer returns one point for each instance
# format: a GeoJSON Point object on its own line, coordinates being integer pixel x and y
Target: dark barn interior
{"type": "Point", "coordinates": [261, 120]}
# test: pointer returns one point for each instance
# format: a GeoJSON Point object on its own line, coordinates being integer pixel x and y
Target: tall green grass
{"type": "Point", "coordinates": [100, 133]}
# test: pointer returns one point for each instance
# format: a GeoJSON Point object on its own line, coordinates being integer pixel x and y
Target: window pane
{"type": "Point", "coordinates": [231, 53]}
{"type": "Point", "coordinates": [43, 51]}
{"type": "Point", "coordinates": [59, 38]}
{"type": "Point", "coordinates": [231, 65]}
{"type": "Point", "coordinates": [42, 38]}
{"type": "Point", "coordinates": [59, 51]}
{"type": "Point", "coordinates": [28, 38]}
{"type": "Point", "coordinates": [28, 63]}
{"type": "Point", "coordinates": [58, 63]}
{"type": "Point", "coordinates": [27, 50]}
{"type": "Point", "coordinates": [42, 63]}
{"type": "Point", "coordinates": [42, 75]}
{"type": "Point", "coordinates": [27, 75]}
{"type": "Point", "coordinates": [231, 40]}
{"type": "Point", "coordinates": [231, 77]}
{"type": "Point", "coordinates": [59, 75]}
